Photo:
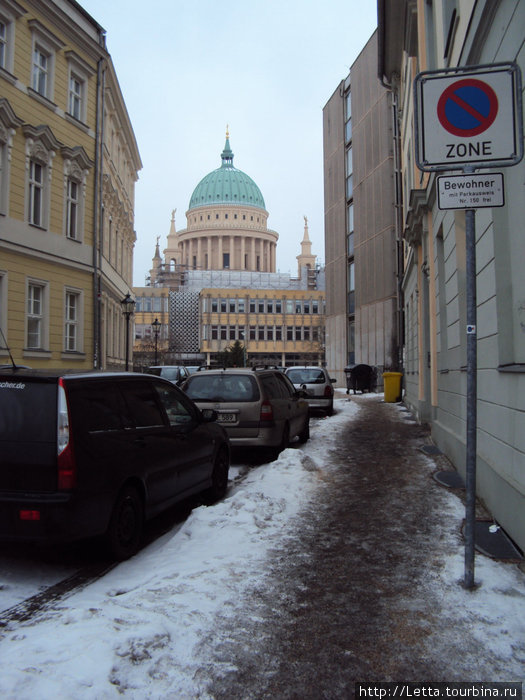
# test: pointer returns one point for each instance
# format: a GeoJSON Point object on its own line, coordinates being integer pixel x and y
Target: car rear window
{"type": "Point", "coordinates": [306, 376]}
{"type": "Point", "coordinates": [28, 410]}
{"type": "Point", "coordinates": [222, 387]}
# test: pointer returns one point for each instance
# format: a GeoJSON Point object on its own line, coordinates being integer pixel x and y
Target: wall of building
{"type": "Point", "coordinates": [58, 289]}
{"type": "Point", "coordinates": [435, 277]}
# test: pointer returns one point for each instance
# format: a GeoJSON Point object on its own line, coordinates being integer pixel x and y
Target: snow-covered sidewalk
{"type": "Point", "coordinates": [137, 632]}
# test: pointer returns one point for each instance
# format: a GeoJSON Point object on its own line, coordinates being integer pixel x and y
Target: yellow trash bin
{"type": "Point", "coordinates": [392, 382]}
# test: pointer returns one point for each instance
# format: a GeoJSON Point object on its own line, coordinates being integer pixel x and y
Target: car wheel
{"type": "Point", "coordinates": [330, 410]}
{"type": "Point", "coordinates": [219, 477]}
{"type": "Point", "coordinates": [304, 435]}
{"type": "Point", "coordinates": [274, 452]}
{"type": "Point", "coordinates": [124, 533]}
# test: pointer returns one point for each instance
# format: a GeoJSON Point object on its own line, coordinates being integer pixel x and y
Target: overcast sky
{"type": "Point", "coordinates": [266, 68]}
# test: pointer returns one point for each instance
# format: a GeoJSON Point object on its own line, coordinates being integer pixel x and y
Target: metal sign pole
{"type": "Point", "coordinates": [470, 480]}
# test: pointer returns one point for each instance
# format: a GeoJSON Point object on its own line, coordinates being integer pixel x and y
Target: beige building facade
{"type": "Point", "coordinates": [59, 287]}
{"type": "Point", "coordinates": [362, 248]}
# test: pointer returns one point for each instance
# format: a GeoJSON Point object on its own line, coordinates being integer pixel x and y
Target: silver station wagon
{"type": "Point", "coordinates": [257, 407]}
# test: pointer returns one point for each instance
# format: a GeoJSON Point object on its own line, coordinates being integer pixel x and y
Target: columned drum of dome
{"type": "Point", "coordinates": [226, 224]}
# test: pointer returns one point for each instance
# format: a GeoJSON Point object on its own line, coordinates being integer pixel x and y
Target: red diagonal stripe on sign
{"type": "Point", "coordinates": [468, 108]}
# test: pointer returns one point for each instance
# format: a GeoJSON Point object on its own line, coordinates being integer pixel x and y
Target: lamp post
{"type": "Point", "coordinates": [156, 328]}
{"type": "Point", "coordinates": [128, 306]}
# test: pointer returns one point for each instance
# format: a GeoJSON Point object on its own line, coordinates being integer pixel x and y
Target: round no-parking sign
{"type": "Point", "coordinates": [468, 118]}
{"type": "Point", "coordinates": [467, 107]}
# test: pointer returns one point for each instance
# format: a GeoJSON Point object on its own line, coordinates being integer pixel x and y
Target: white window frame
{"type": "Point", "coordinates": [80, 72]}
{"type": "Point", "coordinates": [76, 171]}
{"type": "Point", "coordinates": [72, 208]}
{"type": "Point", "coordinates": [41, 148]}
{"type": "Point", "coordinates": [9, 12]}
{"type": "Point", "coordinates": [36, 193]}
{"type": "Point", "coordinates": [73, 320]}
{"type": "Point", "coordinates": [39, 313]}
{"type": "Point", "coordinates": [46, 44]}
{"type": "Point", "coordinates": [8, 123]}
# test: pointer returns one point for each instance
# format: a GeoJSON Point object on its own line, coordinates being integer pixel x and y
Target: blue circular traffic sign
{"type": "Point", "coordinates": [467, 107]}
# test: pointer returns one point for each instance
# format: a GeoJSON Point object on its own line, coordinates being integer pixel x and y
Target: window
{"type": "Point", "coordinates": [260, 333]}
{"type": "Point", "coordinates": [278, 333]}
{"type": "Point", "coordinates": [241, 306]}
{"type": "Point", "coordinates": [35, 316]}
{"type": "Point", "coordinates": [3, 44]}
{"type": "Point", "coordinates": [252, 306]}
{"type": "Point", "coordinates": [298, 307]}
{"type": "Point", "coordinates": [348, 117]}
{"type": "Point", "coordinates": [351, 288]}
{"type": "Point", "coordinates": [9, 13]}
{"type": "Point", "coordinates": [214, 305]}
{"type": "Point", "coordinates": [260, 306]}
{"type": "Point", "coordinates": [269, 306]}
{"type": "Point", "coordinates": [252, 332]}
{"type": "Point", "coordinates": [224, 333]}
{"type": "Point", "coordinates": [349, 177]}
{"type": "Point", "coordinates": [36, 193]}
{"type": "Point", "coordinates": [278, 306]}
{"type": "Point", "coordinates": [232, 332]}
{"type": "Point", "coordinates": [315, 306]}
{"type": "Point", "coordinates": [72, 209]}
{"type": "Point", "coordinates": [269, 333]}
{"type": "Point", "coordinates": [223, 306]}
{"type": "Point", "coordinates": [226, 261]}
{"type": "Point", "coordinates": [76, 96]}
{"type": "Point", "coordinates": [44, 47]}
{"type": "Point", "coordinates": [71, 327]}
{"type": "Point", "coordinates": [289, 306]}
{"type": "Point", "coordinates": [41, 67]}
{"type": "Point", "coordinates": [289, 332]}
{"type": "Point", "coordinates": [232, 305]}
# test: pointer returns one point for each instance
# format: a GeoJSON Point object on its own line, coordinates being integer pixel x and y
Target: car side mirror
{"type": "Point", "coordinates": [334, 381]}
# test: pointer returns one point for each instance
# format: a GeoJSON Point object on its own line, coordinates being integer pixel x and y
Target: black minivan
{"type": "Point", "coordinates": [99, 453]}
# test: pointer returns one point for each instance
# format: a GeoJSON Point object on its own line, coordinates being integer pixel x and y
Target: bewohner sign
{"type": "Point", "coordinates": [470, 191]}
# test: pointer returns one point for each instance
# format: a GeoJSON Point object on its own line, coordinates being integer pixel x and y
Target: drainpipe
{"type": "Point", "coordinates": [97, 215]}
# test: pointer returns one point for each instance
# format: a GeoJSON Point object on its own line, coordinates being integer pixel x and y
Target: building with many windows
{"type": "Point", "coordinates": [363, 308]}
{"type": "Point", "coordinates": [424, 35]}
{"type": "Point", "coordinates": [68, 167]}
{"type": "Point", "coordinates": [216, 284]}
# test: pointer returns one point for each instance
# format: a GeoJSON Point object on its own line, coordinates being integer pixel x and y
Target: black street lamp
{"type": "Point", "coordinates": [156, 328]}
{"type": "Point", "coordinates": [128, 306]}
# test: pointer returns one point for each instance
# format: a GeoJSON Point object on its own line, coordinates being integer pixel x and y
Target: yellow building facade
{"type": "Point", "coordinates": [63, 268]}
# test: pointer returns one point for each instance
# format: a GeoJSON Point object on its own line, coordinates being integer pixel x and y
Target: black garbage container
{"type": "Point", "coordinates": [361, 378]}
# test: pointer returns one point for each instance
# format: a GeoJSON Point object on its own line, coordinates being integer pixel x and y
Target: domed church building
{"type": "Point", "coordinates": [216, 283]}
{"type": "Point", "coordinates": [226, 224]}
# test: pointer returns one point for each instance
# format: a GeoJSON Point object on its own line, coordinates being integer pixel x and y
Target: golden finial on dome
{"type": "Point", "coordinates": [227, 131]}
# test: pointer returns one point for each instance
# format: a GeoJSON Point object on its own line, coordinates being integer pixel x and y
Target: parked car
{"type": "Point", "coordinates": [257, 407]}
{"type": "Point", "coordinates": [317, 384]}
{"type": "Point", "coordinates": [99, 453]}
{"type": "Point", "coordinates": [173, 373]}
{"type": "Point", "coordinates": [192, 368]}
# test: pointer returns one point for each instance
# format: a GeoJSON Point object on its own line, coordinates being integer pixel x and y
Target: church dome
{"type": "Point", "coordinates": [227, 185]}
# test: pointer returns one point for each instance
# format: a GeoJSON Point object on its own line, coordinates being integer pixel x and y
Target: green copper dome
{"type": "Point", "coordinates": [227, 185]}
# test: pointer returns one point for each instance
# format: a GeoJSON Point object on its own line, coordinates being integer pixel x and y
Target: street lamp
{"type": "Point", "coordinates": [156, 328]}
{"type": "Point", "coordinates": [128, 306]}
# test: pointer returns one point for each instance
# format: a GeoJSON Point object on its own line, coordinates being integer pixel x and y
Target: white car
{"type": "Point", "coordinates": [317, 385]}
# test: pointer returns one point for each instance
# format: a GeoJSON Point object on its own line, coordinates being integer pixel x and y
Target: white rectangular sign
{"type": "Point", "coordinates": [470, 191]}
{"type": "Point", "coordinates": [468, 117]}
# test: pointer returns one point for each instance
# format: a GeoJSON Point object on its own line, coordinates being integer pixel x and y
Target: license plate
{"type": "Point", "coordinates": [226, 418]}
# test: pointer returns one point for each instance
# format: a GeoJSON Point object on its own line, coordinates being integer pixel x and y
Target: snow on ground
{"type": "Point", "coordinates": [136, 632]}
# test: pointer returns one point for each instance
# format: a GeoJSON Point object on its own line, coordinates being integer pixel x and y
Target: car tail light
{"type": "Point", "coordinates": [29, 515]}
{"type": "Point", "coordinates": [65, 455]}
{"type": "Point", "coordinates": [266, 410]}
{"type": "Point", "coordinates": [328, 391]}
